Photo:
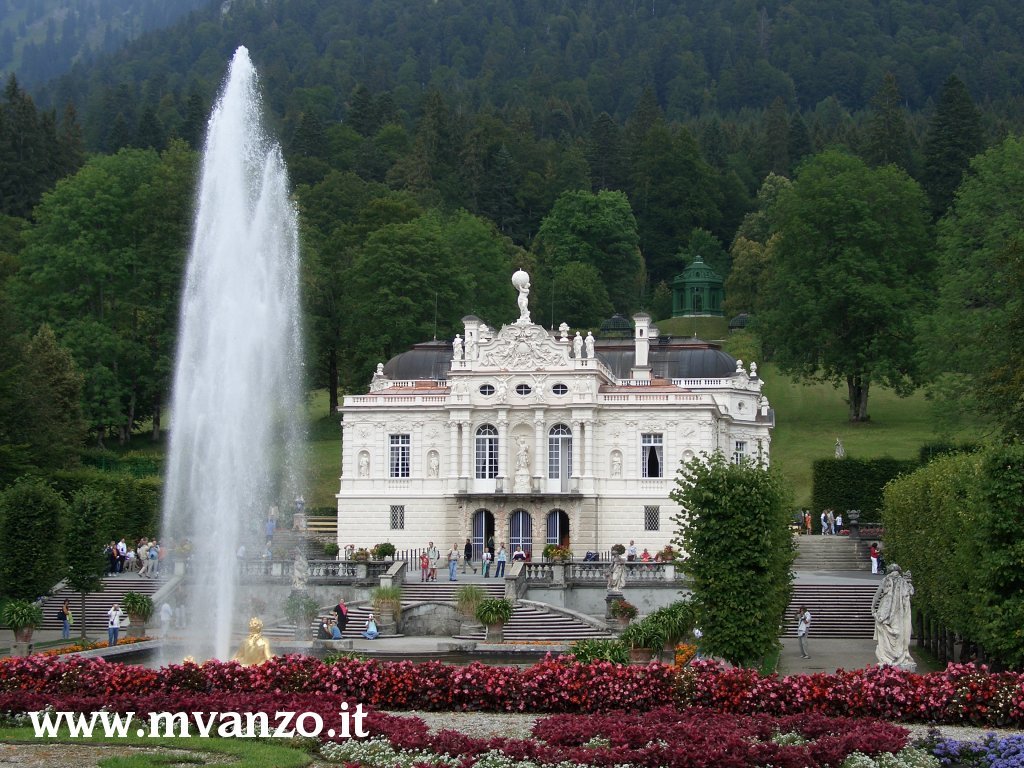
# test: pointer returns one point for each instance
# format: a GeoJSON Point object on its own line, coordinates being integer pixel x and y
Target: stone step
{"type": "Point", "coordinates": [837, 611]}
{"type": "Point", "coordinates": [97, 603]}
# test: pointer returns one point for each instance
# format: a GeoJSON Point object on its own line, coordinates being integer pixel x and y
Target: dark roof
{"type": "Point", "coordinates": [685, 359]}
{"type": "Point", "coordinates": [429, 360]}
{"type": "Point", "coordinates": [669, 359]}
{"type": "Point", "coordinates": [617, 325]}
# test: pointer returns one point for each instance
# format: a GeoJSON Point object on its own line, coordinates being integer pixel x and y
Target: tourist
{"type": "Point", "coordinates": [490, 546]}
{"type": "Point", "coordinates": [839, 523]}
{"type": "Point", "coordinates": [323, 632]}
{"type": "Point", "coordinates": [802, 628]}
{"type": "Point", "coordinates": [831, 523]}
{"type": "Point", "coordinates": [65, 620]}
{"type": "Point", "coordinates": [453, 562]}
{"type": "Point", "coordinates": [142, 556]}
{"type": "Point", "coordinates": [824, 523]}
{"type": "Point", "coordinates": [631, 551]}
{"type": "Point", "coordinates": [433, 555]}
{"type": "Point", "coordinates": [467, 556]}
{"type": "Point", "coordinates": [113, 624]}
{"type": "Point", "coordinates": [486, 559]}
{"type": "Point", "coordinates": [424, 566]}
{"type": "Point", "coordinates": [370, 632]}
{"type": "Point", "coordinates": [122, 554]}
{"type": "Point", "coordinates": [341, 611]}
{"type": "Point", "coordinates": [873, 554]}
{"type": "Point", "coordinates": [519, 555]}
{"type": "Point", "coordinates": [335, 631]}
{"type": "Point", "coordinates": [110, 552]}
{"type": "Point", "coordinates": [499, 560]}
{"type": "Point", "coordinates": [152, 552]}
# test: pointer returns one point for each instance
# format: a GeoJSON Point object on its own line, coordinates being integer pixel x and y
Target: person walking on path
{"type": "Point", "coordinates": [499, 560]}
{"type": "Point", "coordinates": [467, 557]}
{"type": "Point", "coordinates": [341, 611]}
{"type": "Point", "coordinates": [453, 562]}
{"type": "Point", "coordinates": [802, 628]}
{"type": "Point", "coordinates": [873, 554]}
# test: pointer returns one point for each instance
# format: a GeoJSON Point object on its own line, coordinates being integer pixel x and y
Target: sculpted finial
{"type": "Point", "coordinates": [521, 281]}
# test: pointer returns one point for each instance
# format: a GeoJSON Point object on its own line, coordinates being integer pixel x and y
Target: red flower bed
{"type": "Point", "coordinates": [960, 694]}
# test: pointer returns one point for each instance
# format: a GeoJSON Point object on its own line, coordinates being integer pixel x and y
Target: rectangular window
{"type": "Point", "coordinates": [652, 518]}
{"type": "Point", "coordinates": [397, 517]}
{"type": "Point", "coordinates": [399, 463]}
{"type": "Point", "coordinates": [739, 452]}
{"type": "Point", "coordinates": [651, 455]}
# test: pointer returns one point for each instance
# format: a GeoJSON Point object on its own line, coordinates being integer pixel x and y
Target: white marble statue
{"type": "Point", "coordinates": [522, 455]}
{"type": "Point", "coordinates": [840, 450]}
{"type": "Point", "coordinates": [364, 465]}
{"type": "Point", "coordinates": [589, 344]}
{"type": "Point", "coordinates": [891, 609]}
{"type": "Point", "coordinates": [435, 464]}
{"type": "Point", "coordinates": [521, 281]}
{"type": "Point", "coordinates": [577, 346]}
{"type": "Point", "coordinates": [457, 347]}
{"type": "Point", "coordinates": [471, 349]}
{"type": "Point", "coordinates": [617, 574]}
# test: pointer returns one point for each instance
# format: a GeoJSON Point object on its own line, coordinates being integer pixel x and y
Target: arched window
{"type": "Point", "coordinates": [559, 452]}
{"type": "Point", "coordinates": [487, 452]}
{"type": "Point", "coordinates": [520, 531]}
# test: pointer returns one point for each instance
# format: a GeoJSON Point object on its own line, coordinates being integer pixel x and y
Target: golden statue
{"type": "Point", "coordinates": [255, 649]}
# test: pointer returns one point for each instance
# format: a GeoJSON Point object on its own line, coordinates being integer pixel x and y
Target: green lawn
{"type": "Point", "coordinates": [706, 328]}
{"type": "Point", "coordinates": [809, 419]}
{"type": "Point", "coordinates": [208, 752]}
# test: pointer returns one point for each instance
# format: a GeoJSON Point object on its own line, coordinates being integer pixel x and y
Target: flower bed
{"type": "Point", "coordinates": [960, 694]}
{"type": "Point", "coordinates": [91, 646]}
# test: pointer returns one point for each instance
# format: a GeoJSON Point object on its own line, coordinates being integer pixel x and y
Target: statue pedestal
{"type": "Point", "coordinates": [609, 601]}
{"type": "Point", "coordinates": [522, 482]}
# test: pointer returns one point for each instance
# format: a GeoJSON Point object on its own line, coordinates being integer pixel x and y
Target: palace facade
{"type": "Point", "coordinates": [536, 437]}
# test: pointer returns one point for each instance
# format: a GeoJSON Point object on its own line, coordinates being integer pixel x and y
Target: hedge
{"type": "Point", "coordinates": [135, 509]}
{"type": "Point", "coordinates": [845, 484]}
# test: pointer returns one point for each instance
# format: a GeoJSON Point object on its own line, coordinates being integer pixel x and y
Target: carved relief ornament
{"type": "Point", "coordinates": [523, 347]}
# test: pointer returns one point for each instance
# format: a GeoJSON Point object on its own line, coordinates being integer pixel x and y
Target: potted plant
{"type": "Point", "coordinates": [387, 604]}
{"type": "Point", "coordinates": [331, 549]}
{"type": "Point", "coordinates": [301, 609]}
{"type": "Point", "coordinates": [644, 638]}
{"type": "Point", "coordinates": [22, 617]}
{"type": "Point", "coordinates": [468, 598]}
{"type": "Point", "coordinates": [623, 611]}
{"type": "Point", "coordinates": [139, 608]}
{"type": "Point", "coordinates": [557, 554]}
{"type": "Point", "coordinates": [361, 555]}
{"type": "Point", "coordinates": [494, 614]}
{"type": "Point", "coordinates": [383, 551]}
{"type": "Point", "coordinates": [618, 550]}
{"type": "Point", "coordinates": [675, 621]}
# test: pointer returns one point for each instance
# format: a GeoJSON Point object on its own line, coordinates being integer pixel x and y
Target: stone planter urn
{"type": "Point", "coordinates": [495, 633]}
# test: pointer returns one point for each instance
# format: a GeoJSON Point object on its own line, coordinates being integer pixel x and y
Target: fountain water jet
{"type": "Point", "coordinates": [236, 439]}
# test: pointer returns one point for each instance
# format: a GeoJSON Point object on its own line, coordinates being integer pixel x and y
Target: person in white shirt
{"type": "Point", "coordinates": [802, 628]}
{"type": "Point", "coordinates": [114, 624]}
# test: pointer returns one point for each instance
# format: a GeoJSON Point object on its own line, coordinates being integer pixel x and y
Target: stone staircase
{"type": "Point", "coordinates": [529, 622]}
{"type": "Point", "coordinates": [837, 610]}
{"type": "Point", "coordinates": [831, 553]}
{"type": "Point", "coordinates": [98, 603]}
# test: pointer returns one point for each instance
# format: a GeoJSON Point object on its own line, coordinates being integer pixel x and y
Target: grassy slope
{"type": "Point", "coordinates": [810, 418]}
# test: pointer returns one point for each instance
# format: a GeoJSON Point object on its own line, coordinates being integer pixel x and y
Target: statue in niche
{"type": "Point", "coordinates": [470, 349]}
{"type": "Point", "coordinates": [616, 464]}
{"type": "Point", "coordinates": [589, 343]}
{"type": "Point", "coordinates": [435, 465]}
{"type": "Point", "coordinates": [522, 455]}
{"type": "Point", "coordinates": [457, 348]}
{"type": "Point", "coordinates": [521, 281]}
{"type": "Point", "coordinates": [891, 610]}
{"type": "Point", "coordinates": [364, 465]}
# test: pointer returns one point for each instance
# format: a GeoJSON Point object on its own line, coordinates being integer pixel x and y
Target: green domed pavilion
{"type": "Point", "coordinates": [697, 291]}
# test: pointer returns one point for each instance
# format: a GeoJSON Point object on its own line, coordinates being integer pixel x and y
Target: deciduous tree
{"type": "Point", "coordinates": [848, 277]}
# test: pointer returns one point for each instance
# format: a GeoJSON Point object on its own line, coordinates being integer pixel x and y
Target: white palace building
{"type": "Point", "coordinates": [537, 437]}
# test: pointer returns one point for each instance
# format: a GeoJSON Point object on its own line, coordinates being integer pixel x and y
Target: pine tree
{"type": "Point", "coordinates": [775, 127]}
{"type": "Point", "coordinates": [887, 141]}
{"type": "Point", "coordinates": [954, 137]}
{"type": "Point", "coordinates": [604, 153]}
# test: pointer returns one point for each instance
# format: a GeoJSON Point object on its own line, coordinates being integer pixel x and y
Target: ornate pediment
{"type": "Point", "coordinates": [525, 347]}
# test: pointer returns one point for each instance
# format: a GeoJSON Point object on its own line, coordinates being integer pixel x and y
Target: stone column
{"type": "Point", "coordinates": [453, 449]}
{"type": "Point", "coordinates": [577, 448]}
{"type": "Point", "coordinates": [503, 449]}
{"type": "Point", "coordinates": [539, 454]}
{"type": "Point", "coordinates": [467, 457]}
{"type": "Point", "coordinates": [588, 456]}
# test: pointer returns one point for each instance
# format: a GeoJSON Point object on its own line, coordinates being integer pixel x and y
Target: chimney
{"type": "Point", "coordinates": [642, 343]}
